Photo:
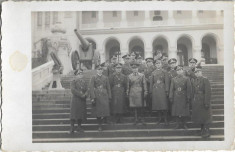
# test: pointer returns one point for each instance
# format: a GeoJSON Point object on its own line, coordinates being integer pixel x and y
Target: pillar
{"type": "Point", "coordinates": [172, 52]}
{"type": "Point", "coordinates": [220, 55]}
{"type": "Point", "coordinates": [194, 17]}
{"type": "Point", "coordinates": [197, 54]}
{"type": "Point", "coordinates": [171, 20]}
{"type": "Point", "coordinates": [100, 19]}
{"type": "Point", "coordinates": [123, 19]}
{"type": "Point", "coordinates": [147, 21]}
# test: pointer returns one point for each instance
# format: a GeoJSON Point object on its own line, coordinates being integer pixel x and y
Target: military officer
{"type": "Point", "coordinates": [78, 103]}
{"type": "Point", "coordinates": [111, 68]}
{"type": "Point", "coordinates": [180, 93]}
{"type": "Point", "coordinates": [172, 73]}
{"type": "Point", "coordinates": [100, 96]}
{"type": "Point", "coordinates": [201, 105]}
{"type": "Point", "coordinates": [118, 87]}
{"type": "Point", "coordinates": [142, 65]}
{"type": "Point", "coordinates": [147, 73]}
{"type": "Point", "coordinates": [126, 68]}
{"type": "Point", "coordinates": [137, 92]}
{"type": "Point", "coordinates": [192, 65]}
{"type": "Point", "coordinates": [158, 55]}
{"type": "Point", "coordinates": [159, 89]}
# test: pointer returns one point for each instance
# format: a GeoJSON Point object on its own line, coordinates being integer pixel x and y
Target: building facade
{"type": "Point", "coordinates": [179, 34]}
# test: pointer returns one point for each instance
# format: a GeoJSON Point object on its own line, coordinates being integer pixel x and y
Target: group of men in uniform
{"type": "Point", "coordinates": [157, 85]}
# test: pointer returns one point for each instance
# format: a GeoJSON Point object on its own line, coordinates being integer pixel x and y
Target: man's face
{"type": "Point", "coordinates": [180, 72]}
{"type": "Point", "coordinates": [158, 65]}
{"type": "Point", "coordinates": [192, 64]}
{"type": "Point", "coordinates": [135, 69]}
{"type": "Point", "coordinates": [173, 65]}
{"type": "Point", "coordinates": [198, 73]}
{"type": "Point", "coordinates": [149, 63]}
{"type": "Point", "coordinates": [139, 60]}
{"type": "Point", "coordinates": [132, 56]}
{"type": "Point", "coordinates": [99, 71]}
{"type": "Point", "coordinates": [118, 70]}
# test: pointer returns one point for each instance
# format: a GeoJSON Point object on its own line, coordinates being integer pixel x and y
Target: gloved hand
{"type": "Point", "coordinates": [93, 102]}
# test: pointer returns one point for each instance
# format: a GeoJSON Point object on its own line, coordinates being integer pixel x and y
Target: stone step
{"type": "Point", "coordinates": [126, 133]}
{"type": "Point", "coordinates": [67, 115]}
{"type": "Point", "coordinates": [148, 119]}
{"type": "Point", "coordinates": [67, 110]}
{"type": "Point", "coordinates": [120, 126]}
{"type": "Point", "coordinates": [128, 139]}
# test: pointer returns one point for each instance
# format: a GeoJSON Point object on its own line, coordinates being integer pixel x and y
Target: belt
{"type": "Point", "coordinates": [119, 85]}
{"type": "Point", "coordinates": [99, 87]}
{"type": "Point", "coordinates": [179, 89]}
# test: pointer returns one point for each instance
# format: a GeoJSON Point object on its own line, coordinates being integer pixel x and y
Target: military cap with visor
{"type": "Point", "coordinates": [78, 71]}
{"type": "Point", "coordinates": [172, 60]}
{"type": "Point", "coordinates": [192, 60]}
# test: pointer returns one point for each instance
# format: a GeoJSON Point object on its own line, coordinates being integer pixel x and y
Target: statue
{"type": "Point", "coordinates": [57, 70]}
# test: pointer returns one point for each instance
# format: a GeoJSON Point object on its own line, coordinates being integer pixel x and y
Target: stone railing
{"type": "Point", "coordinates": [42, 75]}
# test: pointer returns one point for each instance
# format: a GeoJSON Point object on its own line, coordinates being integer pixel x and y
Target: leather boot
{"type": "Point", "coordinates": [72, 128]}
{"type": "Point", "coordinates": [177, 126]}
{"type": "Point", "coordinates": [160, 118]}
{"type": "Point", "coordinates": [136, 118]}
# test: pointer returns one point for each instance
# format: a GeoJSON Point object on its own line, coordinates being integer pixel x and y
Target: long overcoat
{"type": "Point", "coordinates": [118, 88]}
{"type": "Point", "coordinates": [180, 92]}
{"type": "Point", "coordinates": [159, 85]}
{"type": "Point", "coordinates": [201, 97]}
{"type": "Point", "coordinates": [100, 92]}
{"type": "Point", "coordinates": [78, 102]}
{"type": "Point", "coordinates": [136, 89]}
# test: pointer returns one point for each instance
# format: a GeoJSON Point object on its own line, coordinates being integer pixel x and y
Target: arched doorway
{"type": "Point", "coordinates": [160, 43]}
{"type": "Point", "coordinates": [209, 49]}
{"type": "Point", "coordinates": [184, 50]}
{"type": "Point", "coordinates": [137, 45]}
{"type": "Point", "coordinates": [112, 47]}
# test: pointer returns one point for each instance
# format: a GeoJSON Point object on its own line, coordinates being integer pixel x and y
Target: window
{"type": "Point", "coordinates": [93, 14]}
{"type": "Point", "coordinates": [114, 13]}
{"type": "Point", "coordinates": [47, 19]}
{"type": "Point", "coordinates": [136, 13]}
{"type": "Point", "coordinates": [179, 12]}
{"type": "Point", "coordinates": [68, 15]}
{"type": "Point", "coordinates": [200, 11]}
{"type": "Point", "coordinates": [39, 19]}
{"type": "Point", "coordinates": [157, 12]}
{"type": "Point", "coordinates": [55, 17]}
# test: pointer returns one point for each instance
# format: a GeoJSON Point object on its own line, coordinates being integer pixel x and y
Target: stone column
{"type": "Point", "coordinates": [194, 17]}
{"type": "Point", "coordinates": [220, 55]}
{"type": "Point", "coordinates": [218, 15]}
{"type": "Point", "coordinates": [197, 53]}
{"type": "Point", "coordinates": [172, 52]}
{"type": "Point", "coordinates": [147, 21]}
{"type": "Point", "coordinates": [171, 20]}
{"type": "Point", "coordinates": [123, 20]}
{"type": "Point", "coordinates": [100, 19]}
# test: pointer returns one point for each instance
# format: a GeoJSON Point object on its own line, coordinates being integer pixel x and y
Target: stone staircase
{"type": "Point", "coordinates": [51, 118]}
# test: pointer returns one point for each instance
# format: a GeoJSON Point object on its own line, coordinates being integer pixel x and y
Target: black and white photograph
{"type": "Point", "coordinates": [118, 76]}
{"type": "Point", "coordinates": [127, 76]}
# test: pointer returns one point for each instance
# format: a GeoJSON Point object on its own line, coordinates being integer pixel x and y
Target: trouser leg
{"type": "Point", "coordinates": [177, 126]}
{"type": "Point", "coordinates": [160, 117]}
{"type": "Point", "coordinates": [79, 129]}
{"type": "Point", "coordinates": [165, 117]}
{"type": "Point", "coordinates": [99, 123]}
{"type": "Point", "coordinates": [135, 116]}
{"type": "Point", "coordinates": [72, 122]}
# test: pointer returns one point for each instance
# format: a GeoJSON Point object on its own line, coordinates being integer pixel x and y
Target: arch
{"type": "Point", "coordinates": [112, 46]}
{"type": "Point", "coordinates": [184, 49]}
{"type": "Point", "coordinates": [209, 48]}
{"type": "Point", "coordinates": [216, 37]}
{"type": "Point", "coordinates": [137, 45]}
{"type": "Point", "coordinates": [111, 38]}
{"type": "Point", "coordinates": [188, 36]}
{"type": "Point", "coordinates": [160, 42]}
